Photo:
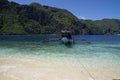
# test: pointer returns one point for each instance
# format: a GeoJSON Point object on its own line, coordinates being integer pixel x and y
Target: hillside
{"type": "Point", "coordinates": [35, 19]}
{"type": "Point", "coordinates": [40, 19]}
{"type": "Point", "coordinates": [104, 26]}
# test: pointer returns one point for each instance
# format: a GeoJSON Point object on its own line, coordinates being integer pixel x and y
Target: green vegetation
{"type": "Point", "coordinates": [105, 26]}
{"type": "Point", "coordinates": [38, 19]}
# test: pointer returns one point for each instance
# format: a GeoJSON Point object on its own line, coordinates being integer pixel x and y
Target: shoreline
{"type": "Point", "coordinates": [28, 68]}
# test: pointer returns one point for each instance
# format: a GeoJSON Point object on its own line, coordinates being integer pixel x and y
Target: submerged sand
{"type": "Point", "coordinates": [27, 68]}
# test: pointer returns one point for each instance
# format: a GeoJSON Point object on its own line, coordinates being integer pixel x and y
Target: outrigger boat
{"type": "Point", "coordinates": [66, 37]}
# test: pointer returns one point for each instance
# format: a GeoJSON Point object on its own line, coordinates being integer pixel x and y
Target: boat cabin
{"type": "Point", "coordinates": [66, 33]}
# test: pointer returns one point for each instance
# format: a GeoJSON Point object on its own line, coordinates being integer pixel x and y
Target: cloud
{"type": "Point", "coordinates": [81, 17]}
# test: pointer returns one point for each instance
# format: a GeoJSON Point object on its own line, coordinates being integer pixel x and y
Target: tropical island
{"type": "Point", "coordinates": [19, 19]}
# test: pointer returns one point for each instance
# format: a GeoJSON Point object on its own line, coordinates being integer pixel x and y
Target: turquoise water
{"type": "Point", "coordinates": [91, 57]}
{"type": "Point", "coordinates": [87, 49]}
{"type": "Point", "coordinates": [94, 49]}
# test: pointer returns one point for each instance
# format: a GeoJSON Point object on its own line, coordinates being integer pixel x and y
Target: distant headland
{"type": "Point", "coordinates": [18, 19]}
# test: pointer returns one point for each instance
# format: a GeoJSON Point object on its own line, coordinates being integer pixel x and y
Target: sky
{"type": "Point", "coordinates": [83, 9]}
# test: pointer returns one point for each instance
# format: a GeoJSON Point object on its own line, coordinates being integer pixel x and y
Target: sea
{"type": "Point", "coordinates": [96, 57]}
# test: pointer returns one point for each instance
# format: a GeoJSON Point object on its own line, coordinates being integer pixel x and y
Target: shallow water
{"type": "Point", "coordinates": [89, 52]}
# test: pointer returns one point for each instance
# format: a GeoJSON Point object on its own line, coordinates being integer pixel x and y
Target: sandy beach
{"type": "Point", "coordinates": [26, 68]}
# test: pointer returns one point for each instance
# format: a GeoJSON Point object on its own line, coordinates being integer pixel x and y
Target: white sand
{"type": "Point", "coordinates": [26, 68]}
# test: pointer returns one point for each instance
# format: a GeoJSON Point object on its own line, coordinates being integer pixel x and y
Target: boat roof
{"type": "Point", "coordinates": [65, 31]}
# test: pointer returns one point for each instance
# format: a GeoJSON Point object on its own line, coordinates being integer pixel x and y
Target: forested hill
{"type": "Point", "coordinates": [39, 19]}
{"type": "Point", "coordinates": [104, 26]}
{"type": "Point", "coordinates": [35, 19]}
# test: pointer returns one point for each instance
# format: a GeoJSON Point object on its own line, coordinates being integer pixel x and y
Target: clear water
{"type": "Point", "coordinates": [89, 49]}
{"type": "Point", "coordinates": [96, 57]}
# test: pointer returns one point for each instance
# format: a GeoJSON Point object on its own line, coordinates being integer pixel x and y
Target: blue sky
{"type": "Point", "coordinates": [86, 9]}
